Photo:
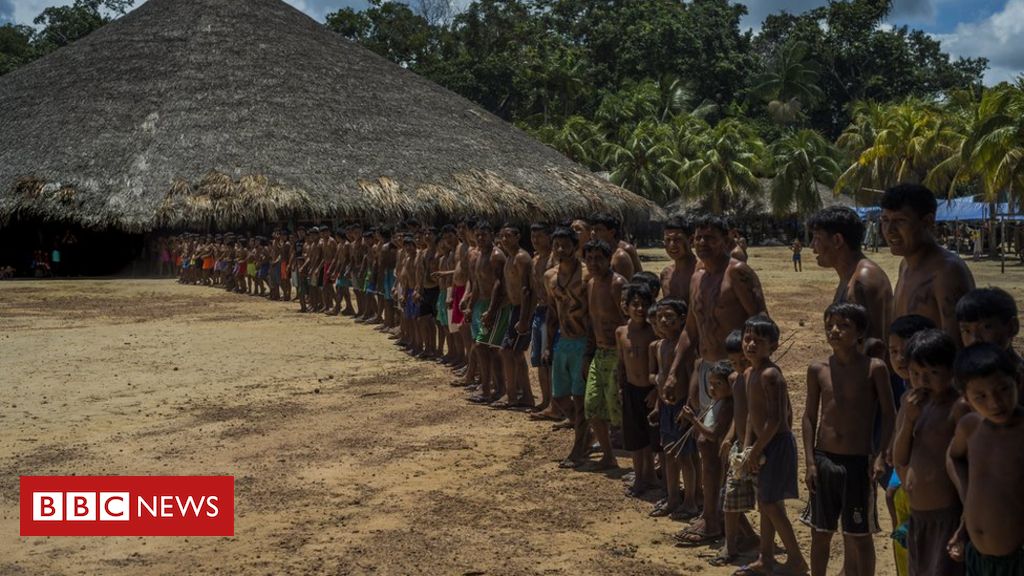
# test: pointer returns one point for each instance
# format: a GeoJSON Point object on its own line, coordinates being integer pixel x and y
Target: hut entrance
{"type": "Point", "coordinates": [41, 250]}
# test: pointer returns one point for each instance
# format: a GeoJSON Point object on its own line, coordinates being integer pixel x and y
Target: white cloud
{"type": "Point", "coordinates": [998, 38]}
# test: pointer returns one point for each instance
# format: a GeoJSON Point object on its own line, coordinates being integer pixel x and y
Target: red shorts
{"type": "Point", "coordinates": [457, 293]}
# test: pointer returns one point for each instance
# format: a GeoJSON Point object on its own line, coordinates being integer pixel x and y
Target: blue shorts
{"type": "Point", "coordinates": [671, 431]}
{"type": "Point", "coordinates": [389, 283]}
{"type": "Point", "coordinates": [567, 377]}
{"type": "Point", "coordinates": [412, 310]}
{"type": "Point", "coordinates": [539, 335]}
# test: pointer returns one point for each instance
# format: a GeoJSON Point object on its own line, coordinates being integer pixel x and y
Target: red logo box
{"type": "Point", "coordinates": [127, 506]}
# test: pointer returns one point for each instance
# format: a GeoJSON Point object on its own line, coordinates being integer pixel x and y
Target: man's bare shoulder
{"type": "Point", "coordinates": [876, 365]}
{"type": "Point", "coordinates": [618, 280]}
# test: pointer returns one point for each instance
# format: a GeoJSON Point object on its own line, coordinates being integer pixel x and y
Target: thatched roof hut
{"type": "Point", "coordinates": [225, 113]}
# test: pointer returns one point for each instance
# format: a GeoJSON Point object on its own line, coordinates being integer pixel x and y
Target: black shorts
{"type": "Point", "coordinates": [844, 490]}
{"type": "Point", "coordinates": [776, 480]}
{"type": "Point", "coordinates": [513, 340]}
{"type": "Point", "coordinates": [637, 432]}
{"type": "Point", "coordinates": [428, 302]}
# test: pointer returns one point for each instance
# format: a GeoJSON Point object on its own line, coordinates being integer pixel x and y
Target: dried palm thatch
{"type": "Point", "coordinates": [233, 112]}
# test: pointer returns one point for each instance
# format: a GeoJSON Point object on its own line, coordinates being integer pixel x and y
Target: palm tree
{"type": "Point", "coordinates": [995, 152]}
{"type": "Point", "coordinates": [579, 139]}
{"type": "Point", "coordinates": [644, 161]}
{"type": "Point", "coordinates": [802, 160]}
{"type": "Point", "coordinates": [724, 165]}
{"type": "Point", "coordinates": [789, 84]}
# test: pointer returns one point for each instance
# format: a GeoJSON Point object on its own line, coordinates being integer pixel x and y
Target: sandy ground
{"type": "Point", "coordinates": [348, 457]}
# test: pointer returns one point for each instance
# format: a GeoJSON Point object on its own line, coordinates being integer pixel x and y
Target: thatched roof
{"type": "Point", "coordinates": [231, 112]}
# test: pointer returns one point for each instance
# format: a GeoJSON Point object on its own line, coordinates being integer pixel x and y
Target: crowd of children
{"type": "Point", "coordinates": [920, 395]}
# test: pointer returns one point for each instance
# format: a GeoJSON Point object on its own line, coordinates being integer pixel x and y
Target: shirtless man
{"type": "Point", "coordinates": [518, 300]}
{"type": "Point", "coordinates": [568, 296]}
{"type": "Point", "coordinates": [932, 279]}
{"type": "Point", "coordinates": [461, 321]}
{"type": "Point", "coordinates": [605, 227]}
{"type": "Point", "coordinates": [485, 289]}
{"type": "Point", "coordinates": [540, 238]}
{"type": "Point", "coordinates": [445, 269]}
{"type": "Point", "coordinates": [330, 252]}
{"type": "Point", "coordinates": [312, 270]}
{"type": "Point", "coordinates": [582, 230]}
{"type": "Point", "coordinates": [724, 293]}
{"type": "Point", "coordinates": [675, 278]}
{"type": "Point", "coordinates": [427, 291]}
{"type": "Point", "coordinates": [837, 235]}
{"type": "Point", "coordinates": [604, 294]}
{"type": "Point", "coordinates": [340, 273]}
{"type": "Point", "coordinates": [737, 245]}
{"type": "Point", "coordinates": [848, 389]}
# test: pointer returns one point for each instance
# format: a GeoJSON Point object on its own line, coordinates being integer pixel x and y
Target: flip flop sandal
{"type": "Point", "coordinates": [569, 463]}
{"type": "Point", "coordinates": [661, 510]}
{"type": "Point", "coordinates": [478, 399]}
{"type": "Point", "coordinates": [723, 560]}
{"type": "Point", "coordinates": [683, 515]}
{"type": "Point", "coordinates": [749, 570]}
{"type": "Point", "coordinates": [702, 539]}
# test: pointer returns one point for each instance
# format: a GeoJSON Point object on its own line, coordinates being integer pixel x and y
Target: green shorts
{"type": "Point", "coordinates": [601, 400]}
{"type": "Point", "coordinates": [496, 335]}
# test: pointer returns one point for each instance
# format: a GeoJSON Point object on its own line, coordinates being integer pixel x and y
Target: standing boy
{"type": "Point", "coordinates": [927, 421]}
{"type": "Point", "coordinates": [675, 278]}
{"type": "Point", "coordinates": [986, 463]}
{"type": "Point", "coordinates": [849, 389]}
{"type": "Point", "coordinates": [633, 343]}
{"type": "Point", "coordinates": [772, 446]}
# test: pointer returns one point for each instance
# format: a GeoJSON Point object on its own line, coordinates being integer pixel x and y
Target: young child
{"type": "Point", "coordinates": [710, 429]}
{"type": "Point", "coordinates": [986, 463]}
{"type": "Point", "coordinates": [633, 342]}
{"type": "Point", "coordinates": [926, 424]}
{"type": "Point", "coordinates": [670, 317]}
{"type": "Point", "coordinates": [900, 332]}
{"type": "Point", "coordinates": [739, 489]}
{"type": "Point", "coordinates": [849, 389]}
{"type": "Point", "coordinates": [772, 446]}
{"type": "Point", "coordinates": [990, 315]}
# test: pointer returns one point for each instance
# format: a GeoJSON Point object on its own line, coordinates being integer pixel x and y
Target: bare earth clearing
{"type": "Point", "coordinates": [348, 457]}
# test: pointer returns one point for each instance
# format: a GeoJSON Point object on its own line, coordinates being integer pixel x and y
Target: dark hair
{"type": "Point", "coordinates": [598, 246]}
{"type": "Point", "coordinates": [484, 225]}
{"type": "Point", "coordinates": [722, 369]}
{"type": "Point", "coordinates": [412, 223]}
{"type": "Point", "coordinates": [470, 223]}
{"type": "Point", "coordinates": [607, 220]}
{"type": "Point", "coordinates": [565, 232]}
{"type": "Point", "coordinates": [408, 239]}
{"type": "Point", "coordinates": [429, 231]}
{"type": "Point", "coordinates": [763, 326]}
{"type": "Point", "coordinates": [852, 312]}
{"type": "Point", "coordinates": [734, 342]}
{"type": "Point", "coordinates": [981, 360]}
{"type": "Point", "coordinates": [711, 221]}
{"type": "Point", "coordinates": [931, 347]}
{"type": "Point", "coordinates": [679, 222]}
{"type": "Point", "coordinates": [652, 309]}
{"type": "Point", "coordinates": [984, 303]}
{"type": "Point", "coordinates": [906, 326]}
{"type": "Point", "coordinates": [649, 278]}
{"type": "Point", "coordinates": [540, 227]}
{"type": "Point", "coordinates": [639, 290]}
{"type": "Point", "coordinates": [385, 231]}
{"type": "Point", "coordinates": [840, 220]}
{"type": "Point", "coordinates": [915, 196]}
{"type": "Point", "coordinates": [510, 226]}
{"type": "Point", "coordinates": [674, 303]}
{"type": "Point", "coordinates": [448, 229]}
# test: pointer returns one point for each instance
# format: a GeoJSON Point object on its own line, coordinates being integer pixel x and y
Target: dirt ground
{"type": "Point", "coordinates": [348, 457]}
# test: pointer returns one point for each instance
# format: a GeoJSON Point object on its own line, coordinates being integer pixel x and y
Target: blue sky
{"type": "Point", "coordinates": [990, 28]}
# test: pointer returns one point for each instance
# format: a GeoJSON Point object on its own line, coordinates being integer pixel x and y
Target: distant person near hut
{"type": "Point", "coordinates": [797, 247]}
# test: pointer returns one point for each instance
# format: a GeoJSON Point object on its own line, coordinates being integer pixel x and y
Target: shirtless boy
{"type": "Point", "coordinates": [988, 315]}
{"type": "Point", "coordinates": [932, 279]}
{"type": "Point", "coordinates": [848, 390]}
{"type": "Point", "coordinates": [798, 262]}
{"type": "Point", "coordinates": [568, 316]}
{"type": "Point", "coordinates": [601, 401]}
{"type": "Point", "coordinates": [633, 343]}
{"type": "Point", "coordinates": [925, 427]}
{"type": "Point", "coordinates": [675, 278]}
{"type": "Point", "coordinates": [986, 463]}
{"type": "Point", "coordinates": [485, 293]}
{"type": "Point", "coordinates": [605, 227]}
{"type": "Point", "coordinates": [772, 447]}
{"type": "Point", "coordinates": [711, 430]}
{"type": "Point", "coordinates": [737, 244]}
{"type": "Point", "coordinates": [838, 234]}
{"type": "Point", "coordinates": [669, 318]}
{"type": "Point", "coordinates": [517, 305]}
{"type": "Point", "coordinates": [427, 291]}
{"type": "Point", "coordinates": [540, 239]}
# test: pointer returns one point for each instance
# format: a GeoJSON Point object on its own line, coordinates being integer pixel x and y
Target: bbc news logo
{"type": "Point", "coordinates": [127, 506]}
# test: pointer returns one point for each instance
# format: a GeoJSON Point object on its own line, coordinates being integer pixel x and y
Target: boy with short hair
{"type": "Point", "coordinates": [772, 444]}
{"type": "Point", "coordinates": [849, 389]}
{"type": "Point", "coordinates": [633, 342]}
{"type": "Point", "coordinates": [990, 315]}
{"type": "Point", "coordinates": [985, 462]}
{"type": "Point", "coordinates": [926, 424]}
{"type": "Point", "coordinates": [710, 430]}
{"type": "Point", "coordinates": [670, 316]}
